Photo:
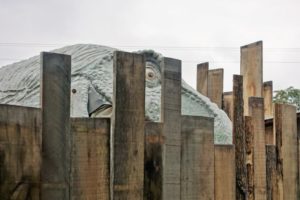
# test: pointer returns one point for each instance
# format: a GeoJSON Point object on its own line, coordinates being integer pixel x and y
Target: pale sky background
{"type": "Point", "coordinates": [193, 31]}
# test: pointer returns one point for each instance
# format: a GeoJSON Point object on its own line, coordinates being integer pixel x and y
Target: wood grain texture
{"type": "Point", "coordinates": [256, 111]}
{"type": "Point", "coordinates": [272, 187]}
{"type": "Point", "coordinates": [286, 146]}
{"type": "Point", "coordinates": [239, 137]}
{"type": "Point", "coordinates": [171, 118]}
{"type": "Point", "coordinates": [225, 172]}
{"type": "Point", "coordinates": [215, 86]}
{"type": "Point", "coordinates": [197, 158]}
{"type": "Point", "coordinates": [252, 70]}
{"type": "Point", "coordinates": [153, 161]}
{"type": "Point", "coordinates": [90, 159]}
{"type": "Point", "coordinates": [128, 123]}
{"type": "Point", "coordinates": [202, 78]}
{"type": "Point", "coordinates": [249, 136]}
{"type": "Point", "coordinates": [55, 103]}
{"type": "Point", "coordinates": [20, 152]}
{"type": "Point", "coordinates": [228, 104]}
{"type": "Point", "coordinates": [268, 98]}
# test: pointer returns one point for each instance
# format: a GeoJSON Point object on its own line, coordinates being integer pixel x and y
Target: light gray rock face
{"type": "Point", "coordinates": [92, 79]}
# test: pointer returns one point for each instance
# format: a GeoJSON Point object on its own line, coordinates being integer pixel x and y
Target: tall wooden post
{"type": "Point", "coordinates": [128, 126]}
{"type": "Point", "coordinates": [225, 172]}
{"type": "Point", "coordinates": [249, 135]}
{"type": "Point", "coordinates": [171, 118]}
{"type": "Point", "coordinates": [272, 187]}
{"type": "Point", "coordinates": [55, 102]}
{"type": "Point", "coordinates": [239, 137]}
{"type": "Point", "coordinates": [286, 145]}
{"type": "Point", "coordinates": [215, 86]}
{"type": "Point", "coordinates": [197, 158]}
{"type": "Point", "coordinates": [268, 99]}
{"type": "Point", "coordinates": [228, 104]}
{"type": "Point", "coordinates": [252, 71]}
{"type": "Point", "coordinates": [202, 78]}
{"type": "Point", "coordinates": [256, 111]}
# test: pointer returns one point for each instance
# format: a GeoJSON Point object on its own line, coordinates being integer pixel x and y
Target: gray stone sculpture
{"type": "Point", "coordinates": [91, 96]}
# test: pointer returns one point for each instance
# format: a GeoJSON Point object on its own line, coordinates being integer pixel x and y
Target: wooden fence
{"type": "Point", "coordinates": [45, 154]}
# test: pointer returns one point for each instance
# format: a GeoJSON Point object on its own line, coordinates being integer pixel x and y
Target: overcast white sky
{"type": "Point", "coordinates": [193, 31]}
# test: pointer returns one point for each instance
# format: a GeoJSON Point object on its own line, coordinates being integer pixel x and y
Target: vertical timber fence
{"type": "Point", "coordinates": [45, 154]}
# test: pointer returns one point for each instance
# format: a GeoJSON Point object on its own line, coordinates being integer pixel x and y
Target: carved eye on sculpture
{"type": "Point", "coordinates": [152, 75]}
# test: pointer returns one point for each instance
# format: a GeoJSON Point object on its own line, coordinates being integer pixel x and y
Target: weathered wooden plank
{"type": "Point", "coordinates": [171, 118]}
{"type": "Point", "coordinates": [268, 98]}
{"type": "Point", "coordinates": [202, 78]}
{"type": "Point", "coordinates": [128, 122]}
{"type": "Point", "coordinates": [20, 140]}
{"type": "Point", "coordinates": [215, 86]}
{"type": "Point", "coordinates": [153, 160]}
{"type": "Point", "coordinates": [249, 136]}
{"type": "Point", "coordinates": [55, 103]}
{"type": "Point", "coordinates": [228, 104]}
{"type": "Point", "coordinates": [252, 71]}
{"type": "Point", "coordinates": [285, 122]}
{"type": "Point", "coordinates": [272, 188]}
{"type": "Point", "coordinates": [256, 111]}
{"type": "Point", "coordinates": [197, 158]}
{"type": "Point", "coordinates": [239, 137]}
{"type": "Point", "coordinates": [90, 159]}
{"type": "Point", "coordinates": [225, 185]}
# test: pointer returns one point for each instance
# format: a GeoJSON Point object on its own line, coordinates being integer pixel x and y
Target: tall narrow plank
{"type": "Point", "coordinates": [215, 86]}
{"type": "Point", "coordinates": [252, 71]}
{"type": "Point", "coordinates": [171, 118]}
{"type": "Point", "coordinates": [197, 158]}
{"type": "Point", "coordinates": [228, 104]}
{"type": "Point", "coordinates": [225, 172]}
{"type": "Point", "coordinates": [153, 161]}
{"type": "Point", "coordinates": [286, 145]}
{"type": "Point", "coordinates": [249, 135]}
{"type": "Point", "coordinates": [256, 111]}
{"type": "Point", "coordinates": [268, 99]}
{"type": "Point", "coordinates": [272, 188]}
{"type": "Point", "coordinates": [128, 123]}
{"type": "Point", "coordinates": [239, 137]}
{"type": "Point", "coordinates": [55, 102]}
{"type": "Point", "coordinates": [90, 158]}
{"type": "Point", "coordinates": [202, 78]}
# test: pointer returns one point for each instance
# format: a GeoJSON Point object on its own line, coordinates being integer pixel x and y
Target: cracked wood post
{"type": "Point", "coordinates": [256, 111]}
{"type": "Point", "coordinates": [239, 137]}
{"type": "Point", "coordinates": [197, 158]}
{"type": "Point", "coordinates": [171, 118]}
{"type": "Point", "coordinates": [128, 122]}
{"type": "Point", "coordinates": [249, 135]}
{"type": "Point", "coordinates": [55, 103]}
{"type": "Point", "coordinates": [215, 86]}
{"type": "Point", "coordinates": [272, 188]}
{"type": "Point", "coordinates": [228, 104]}
{"type": "Point", "coordinates": [225, 172]}
{"type": "Point", "coordinates": [285, 123]}
{"type": "Point", "coordinates": [252, 70]}
{"type": "Point", "coordinates": [202, 78]}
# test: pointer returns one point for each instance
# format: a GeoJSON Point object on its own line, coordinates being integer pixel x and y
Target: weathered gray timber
{"type": "Point", "coordinates": [55, 103]}
{"type": "Point", "coordinates": [20, 140]}
{"type": "Point", "coordinates": [90, 158]}
{"type": "Point", "coordinates": [225, 185]}
{"type": "Point", "coordinates": [252, 71]}
{"type": "Point", "coordinates": [268, 98]}
{"type": "Point", "coordinates": [197, 158]}
{"type": "Point", "coordinates": [171, 118]}
{"type": "Point", "coordinates": [256, 111]}
{"type": "Point", "coordinates": [202, 78]}
{"type": "Point", "coordinates": [215, 86]}
{"type": "Point", "coordinates": [153, 161]}
{"type": "Point", "coordinates": [239, 137]}
{"type": "Point", "coordinates": [128, 123]}
{"type": "Point", "coordinates": [228, 104]}
{"type": "Point", "coordinates": [285, 122]}
{"type": "Point", "coordinates": [249, 136]}
{"type": "Point", "coordinates": [272, 188]}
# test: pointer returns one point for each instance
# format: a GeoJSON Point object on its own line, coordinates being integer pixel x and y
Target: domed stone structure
{"type": "Point", "coordinates": [92, 79]}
